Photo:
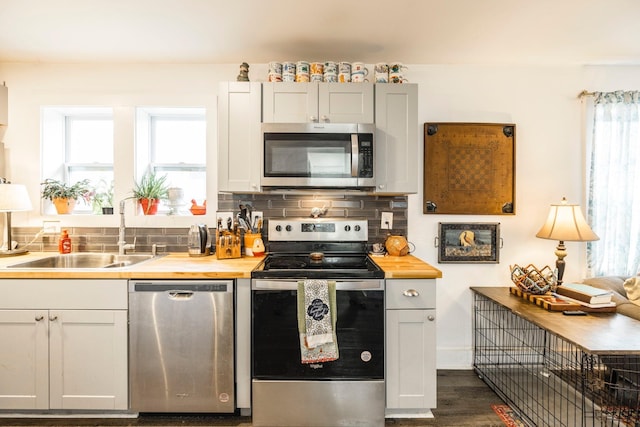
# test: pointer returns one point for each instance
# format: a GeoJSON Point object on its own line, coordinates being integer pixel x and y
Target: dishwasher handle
{"type": "Point", "coordinates": [180, 295]}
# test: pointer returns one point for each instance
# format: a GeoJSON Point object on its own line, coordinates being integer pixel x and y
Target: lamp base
{"type": "Point", "coordinates": [13, 252]}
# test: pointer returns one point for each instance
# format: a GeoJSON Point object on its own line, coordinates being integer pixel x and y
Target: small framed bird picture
{"type": "Point", "coordinates": [468, 242]}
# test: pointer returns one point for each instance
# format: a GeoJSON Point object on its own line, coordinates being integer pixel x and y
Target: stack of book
{"type": "Point", "coordinates": [585, 295]}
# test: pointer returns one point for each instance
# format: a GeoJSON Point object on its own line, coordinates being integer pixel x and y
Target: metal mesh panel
{"type": "Point", "coordinates": [549, 381]}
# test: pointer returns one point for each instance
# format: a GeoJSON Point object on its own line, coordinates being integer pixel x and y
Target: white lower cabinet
{"type": "Point", "coordinates": [410, 346]}
{"type": "Point", "coordinates": [63, 358]}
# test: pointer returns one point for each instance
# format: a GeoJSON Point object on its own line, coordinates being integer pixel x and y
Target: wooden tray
{"type": "Point", "coordinates": [553, 303]}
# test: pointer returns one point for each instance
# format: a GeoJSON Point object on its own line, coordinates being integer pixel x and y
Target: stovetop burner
{"type": "Point", "coordinates": [332, 266]}
{"type": "Point", "coordinates": [321, 248]}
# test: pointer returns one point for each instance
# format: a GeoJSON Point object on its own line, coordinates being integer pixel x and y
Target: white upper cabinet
{"type": "Point", "coordinates": [318, 102]}
{"type": "Point", "coordinates": [239, 143]}
{"type": "Point", "coordinates": [397, 146]}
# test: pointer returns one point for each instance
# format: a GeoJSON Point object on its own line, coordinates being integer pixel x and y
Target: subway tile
{"type": "Point", "coordinates": [105, 239]}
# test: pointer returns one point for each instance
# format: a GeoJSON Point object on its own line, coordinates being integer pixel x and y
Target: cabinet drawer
{"type": "Point", "coordinates": [410, 293]}
{"type": "Point", "coordinates": [61, 294]}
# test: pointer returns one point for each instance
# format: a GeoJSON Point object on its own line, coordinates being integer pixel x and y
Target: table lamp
{"type": "Point", "coordinates": [13, 198]}
{"type": "Point", "coordinates": [565, 223]}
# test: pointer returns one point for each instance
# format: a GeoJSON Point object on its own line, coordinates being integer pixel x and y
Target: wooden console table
{"type": "Point", "coordinates": [557, 370]}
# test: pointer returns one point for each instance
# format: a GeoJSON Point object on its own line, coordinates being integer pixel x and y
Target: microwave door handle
{"type": "Point", "coordinates": [355, 157]}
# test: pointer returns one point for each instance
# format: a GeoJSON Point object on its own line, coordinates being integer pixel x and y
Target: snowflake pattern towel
{"type": "Point", "coordinates": [317, 321]}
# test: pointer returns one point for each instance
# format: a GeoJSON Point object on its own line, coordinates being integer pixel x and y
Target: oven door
{"type": "Point", "coordinates": [360, 332]}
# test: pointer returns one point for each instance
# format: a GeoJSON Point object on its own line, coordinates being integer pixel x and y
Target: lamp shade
{"type": "Point", "coordinates": [566, 223]}
{"type": "Point", "coordinates": [14, 197]}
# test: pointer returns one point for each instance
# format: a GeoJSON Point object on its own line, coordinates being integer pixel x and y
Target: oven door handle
{"type": "Point", "coordinates": [292, 285]}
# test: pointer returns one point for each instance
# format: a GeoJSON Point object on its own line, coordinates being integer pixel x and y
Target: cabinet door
{"type": "Point", "coordinates": [398, 149]}
{"type": "Point", "coordinates": [345, 102]}
{"type": "Point", "coordinates": [88, 359]}
{"type": "Point", "coordinates": [24, 359]}
{"type": "Point", "coordinates": [290, 102]}
{"type": "Point", "coordinates": [239, 139]}
{"type": "Point", "coordinates": [411, 359]}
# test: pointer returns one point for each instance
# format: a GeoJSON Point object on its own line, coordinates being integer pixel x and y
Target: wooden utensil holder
{"type": "Point", "coordinates": [228, 245]}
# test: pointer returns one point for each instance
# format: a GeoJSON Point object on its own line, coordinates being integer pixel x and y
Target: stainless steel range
{"type": "Point", "coordinates": [348, 391]}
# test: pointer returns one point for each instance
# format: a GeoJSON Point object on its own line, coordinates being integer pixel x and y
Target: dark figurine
{"type": "Point", "coordinates": [244, 72]}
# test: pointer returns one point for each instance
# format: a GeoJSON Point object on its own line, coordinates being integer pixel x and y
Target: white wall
{"type": "Point", "coordinates": [541, 101]}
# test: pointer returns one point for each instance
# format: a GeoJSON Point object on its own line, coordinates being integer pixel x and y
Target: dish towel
{"type": "Point", "coordinates": [317, 321]}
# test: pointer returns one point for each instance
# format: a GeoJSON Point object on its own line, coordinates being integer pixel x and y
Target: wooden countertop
{"type": "Point", "coordinates": [170, 266]}
{"type": "Point", "coordinates": [182, 266]}
{"type": "Point", "coordinates": [597, 333]}
{"type": "Point", "coordinates": [406, 267]}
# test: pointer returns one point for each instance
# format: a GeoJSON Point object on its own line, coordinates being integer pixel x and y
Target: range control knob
{"type": "Point", "coordinates": [357, 228]}
{"type": "Point", "coordinates": [347, 228]}
{"type": "Point", "coordinates": [278, 228]}
{"type": "Point", "coordinates": [288, 228]}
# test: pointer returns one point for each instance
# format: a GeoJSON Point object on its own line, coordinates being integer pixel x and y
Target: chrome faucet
{"type": "Point", "coordinates": [123, 246]}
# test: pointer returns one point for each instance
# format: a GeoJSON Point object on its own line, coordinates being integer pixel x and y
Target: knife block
{"type": "Point", "coordinates": [228, 245]}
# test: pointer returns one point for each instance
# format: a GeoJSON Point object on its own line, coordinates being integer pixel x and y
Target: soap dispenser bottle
{"type": "Point", "coordinates": [64, 244]}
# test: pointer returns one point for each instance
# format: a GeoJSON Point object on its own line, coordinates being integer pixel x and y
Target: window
{"type": "Point", "coordinates": [77, 144]}
{"type": "Point", "coordinates": [172, 142]}
{"type": "Point", "coordinates": [613, 181]}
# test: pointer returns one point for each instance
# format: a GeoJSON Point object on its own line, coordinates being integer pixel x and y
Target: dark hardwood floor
{"type": "Point", "coordinates": [463, 401]}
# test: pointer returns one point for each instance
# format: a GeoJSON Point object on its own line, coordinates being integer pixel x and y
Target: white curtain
{"type": "Point", "coordinates": [614, 184]}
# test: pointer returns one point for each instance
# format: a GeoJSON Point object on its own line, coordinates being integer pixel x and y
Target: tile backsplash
{"type": "Point", "coordinates": [104, 239]}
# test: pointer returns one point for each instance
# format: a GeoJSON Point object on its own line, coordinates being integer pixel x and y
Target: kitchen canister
{"type": "Point", "coordinates": [302, 71]}
{"type": "Point", "coordinates": [359, 72]}
{"type": "Point", "coordinates": [381, 72]}
{"type": "Point", "coordinates": [344, 72]}
{"type": "Point", "coordinates": [330, 71]}
{"type": "Point", "coordinates": [396, 72]}
{"type": "Point", "coordinates": [275, 72]}
{"type": "Point", "coordinates": [288, 71]}
{"type": "Point", "coordinates": [250, 241]}
{"type": "Point", "coordinates": [317, 71]}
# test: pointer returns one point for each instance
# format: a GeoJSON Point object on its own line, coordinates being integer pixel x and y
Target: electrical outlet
{"type": "Point", "coordinates": [386, 220]}
{"type": "Point", "coordinates": [51, 227]}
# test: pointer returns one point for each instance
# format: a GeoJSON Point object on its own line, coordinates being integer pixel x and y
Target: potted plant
{"type": "Point", "coordinates": [64, 196]}
{"type": "Point", "coordinates": [102, 199]}
{"type": "Point", "coordinates": [149, 191]}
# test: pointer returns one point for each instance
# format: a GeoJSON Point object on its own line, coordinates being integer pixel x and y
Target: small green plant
{"type": "Point", "coordinates": [150, 190]}
{"type": "Point", "coordinates": [54, 189]}
{"type": "Point", "coordinates": [151, 186]}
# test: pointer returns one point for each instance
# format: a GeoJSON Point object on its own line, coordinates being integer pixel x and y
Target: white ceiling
{"type": "Point", "coordinates": [259, 31]}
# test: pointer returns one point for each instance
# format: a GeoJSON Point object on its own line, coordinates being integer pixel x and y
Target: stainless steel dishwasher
{"type": "Point", "coordinates": [181, 346]}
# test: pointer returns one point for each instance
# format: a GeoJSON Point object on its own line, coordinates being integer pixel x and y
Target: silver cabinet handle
{"type": "Point", "coordinates": [431, 318]}
{"type": "Point", "coordinates": [39, 318]}
{"type": "Point", "coordinates": [53, 318]}
{"type": "Point", "coordinates": [411, 293]}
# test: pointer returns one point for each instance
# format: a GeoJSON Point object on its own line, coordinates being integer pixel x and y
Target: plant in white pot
{"type": "Point", "coordinates": [64, 196]}
{"type": "Point", "coordinates": [149, 191]}
{"type": "Point", "coordinates": [102, 199]}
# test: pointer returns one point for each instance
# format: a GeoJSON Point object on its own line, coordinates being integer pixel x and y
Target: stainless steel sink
{"type": "Point", "coordinates": [86, 260]}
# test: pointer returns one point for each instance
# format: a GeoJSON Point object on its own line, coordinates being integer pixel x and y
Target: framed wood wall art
{"type": "Point", "coordinates": [469, 243]}
{"type": "Point", "coordinates": [469, 168]}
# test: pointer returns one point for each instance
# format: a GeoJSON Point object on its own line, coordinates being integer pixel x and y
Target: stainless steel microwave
{"type": "Point", "coordinates": [318, 155]}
